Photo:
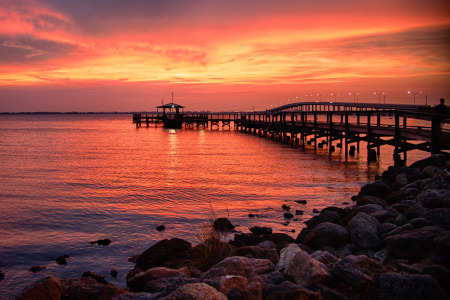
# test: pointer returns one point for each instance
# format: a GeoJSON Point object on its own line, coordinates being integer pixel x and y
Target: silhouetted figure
{"type": "Point", "coordinates": [441, 108]}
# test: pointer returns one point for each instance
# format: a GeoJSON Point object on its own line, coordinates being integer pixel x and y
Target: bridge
{"type": "Point", "coordinates": [333, 125]}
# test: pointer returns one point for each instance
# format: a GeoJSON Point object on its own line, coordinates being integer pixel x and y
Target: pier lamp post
{"type": "Point", "coordinates": [414, 94]}
{"type": "Point", "coordinates": [379, 97]}
{"type": "Point", "coordinates": [354, 96]}
{"type": "Point", "coordinates": [334, 94]}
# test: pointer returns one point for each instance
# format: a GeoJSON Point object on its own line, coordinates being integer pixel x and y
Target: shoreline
{"type": "Point", "coordinates": [394, 242]}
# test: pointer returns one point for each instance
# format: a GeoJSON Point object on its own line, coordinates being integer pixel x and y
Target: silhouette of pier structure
{"type": "Point", "coordinates": [332, 125]}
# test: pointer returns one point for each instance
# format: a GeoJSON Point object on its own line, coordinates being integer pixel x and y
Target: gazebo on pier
{"type": "Point", "coordinates": [172, 108]}
{"type": "Point", "coordinates": [172, 118]}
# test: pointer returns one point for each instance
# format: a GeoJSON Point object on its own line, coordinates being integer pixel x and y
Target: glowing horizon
{"type": "Point", "coordinates": [218, 55]}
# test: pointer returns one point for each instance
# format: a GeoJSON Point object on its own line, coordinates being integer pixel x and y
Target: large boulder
{"type": "Point", "coordinates": [439, 216]}
{"type": "Point", "coordinates": [83, 288]}
{"type": "Point", "coordinates": [299, 266]}
{"type": "Point", "coordinates": [413, 244]}
{"type": "Point", "coordinates": [138, 281]}
{"type": "Point", "coordinates": [327, 234]}
{"type": "Point", "coordinates": [225, 284]}
{"type": "Point", "coordinates": [241, 266]}
{"type": "Point", "coordinates": [357, 271]}
{"type": "Point", "coordinates": [401, 286]}
{"type": "Point", "coordinates": [433, 198]}
{"type": "Point", "coordinates": [223, 224]}
{"type": "Point", "coordinates": [259, 230]}
{"type": "Point", "coordinates": [364, 231]}
{"type": "Point", "coordinates": [289, 290]}
{"type": "Point", "coordinates": [371, 200]}
{"type": "Point", "coordinates": [47, 288]}
{"type": "Point", "coordinates": [436, 160]}
{"type": "Point", "coordinates": [168, 284]}
{"type": "Point", "coordinates": [378, 189]}
{"type": "Point", "coordinates": [326, 216]}
{"type": "Point", "coordinates": [163, 252]}
{"type": "Point", "coordinates": [197, 291]}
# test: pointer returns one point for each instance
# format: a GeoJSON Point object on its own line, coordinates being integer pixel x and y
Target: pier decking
{"type": "Point", "coordinates": [332, 125]}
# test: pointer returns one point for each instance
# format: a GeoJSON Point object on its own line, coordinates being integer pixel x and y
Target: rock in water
{"type": "Point", "coordinates": [61, 260]}
{"type": "Point", "coordinates": [223, 224]}
{"type": "Point", "coordinates": [48, 288]}
{"type": "Point", "coordinates": [36, 269]}
{"type": "Point", "coordinates": [104, 242]}
{"type": "Point", "coordinates": [258, 230]}
{"type": "Point", "coordinates": [162, 252]}
{"type": "Point", "coordinates": [161, 228]}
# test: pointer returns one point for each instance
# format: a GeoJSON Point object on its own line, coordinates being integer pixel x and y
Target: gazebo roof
{"type": "Point", "coordinates": [170, 105]}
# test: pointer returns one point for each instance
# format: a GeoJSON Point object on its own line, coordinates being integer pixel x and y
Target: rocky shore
{"type": "Point", "coordinates": [393, 243]}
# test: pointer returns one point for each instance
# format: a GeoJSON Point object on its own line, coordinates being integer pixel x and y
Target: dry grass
{"type": "Point", "coordinates": [212, 248]}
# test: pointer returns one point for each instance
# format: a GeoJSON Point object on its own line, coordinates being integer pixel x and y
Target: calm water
{"type": "Point", "coordinates": [66, 180]}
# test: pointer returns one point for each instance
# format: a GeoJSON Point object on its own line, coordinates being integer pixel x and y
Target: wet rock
{"type": "Point", "coordinates": [413, 244]}
{"type": "Point", "coordinates": [225, 284]}
{"type": "Point", "coordinates": [97, 277]}
{"type": "Point", "coordinates": [289, 290]}
{"type": "Point", "coordinates": [133, 258]}
{"type": "Point", "coordinates": [401, 286]}
{"type": "Point", "coordinates": [325, 216]}
{"type": "Point", "coordinates": [440, 274]}
{"type": "Point", "coordinates": [327, 234]}
{"type": "Point", "coordinates": [35, 269]}
{"type": "Point", "coordinates": [258, 230]}
{"type": "Point", "coordinates": [223, 224]}
{"type": "Point", "coordinates": [110, 291]}
{"type": "Point", "coordinates": [279, 239]}
{"type": "Point", "coordinates": [259, 252]}
{"type": "Point", "coordinates": [371, 200]}
{"type": "Point", "coordinates": [161, 228]}
{"type": "Point", "coordinates": [420, 222]}
{"type": "Point", "coordinates": [315, 210]}
{"type": "Point", "coordinates": [378, 189]}
{"type": "Point", "coordinates": [356, 271]}
{"type": "Point", "coordinates": [286, 207]}
{"type": "Point", "coordinates": [254, 291]}
{"type": "Point", "coordinates": [324, 257]}
{"type": "Point", "coordinates": [1, 275]}
{"type": "Point", "coordinates": [47, 288]}
{"type": "Point", "coordinates": [301, 201]}
{"type": "Point", "coordinates": [138, 282]}
{"type": "Point", "coordinates": [241, 266]}
{"type": "Point", "coordinates": [288, 215]}
{"type": "Point", "coordinates": [436, 160]}
{"type": "Point", "coordinates": [433, 198]}
{"type": "Point", "coordinates": [168, 284]}
{"type": "Point", "coordinates": [364, 231]}
{"type": "Point", "coordinates": [298, 212]}
{"type": "Point", "coordinates": [114, 273]}
{"type": "Point", "coordinates": [84, 288]}
{"type": "Point", "coordinates": [251, 215]}
{"type": "Point", "coordinates": [415, 211]}
{"type": "Point", "coordinates": [439, 216]}
{"type": "Point", "coordinates": [441, 245]}
{"type": "Point", "coordinates": [431, 171]}
{"type": "Point", "coordinates": [162, 252]}
{"type": "Point", "coordinates": [387, 227]}
{"type": "Point", "coordinates": [200, 291]}
{"type": "Point", "coordinates": [62, 260]}
{"type": "Point", "coordinates": [301, 267]}
{"type": "Point", "coordinates": [246, 239]}
{"type": "Point", "coordinates": [104, 242]}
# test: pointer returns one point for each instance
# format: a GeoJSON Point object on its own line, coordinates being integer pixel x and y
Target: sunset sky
{"type": "Point", "coordinates": [117, 55]}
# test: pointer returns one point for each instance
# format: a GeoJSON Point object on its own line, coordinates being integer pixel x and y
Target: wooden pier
{"type": "Point", "coordinates": [332, 125]}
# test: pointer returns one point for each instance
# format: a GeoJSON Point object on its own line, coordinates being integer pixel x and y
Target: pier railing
{"type": "Point", "coordinates": [342, 125]}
